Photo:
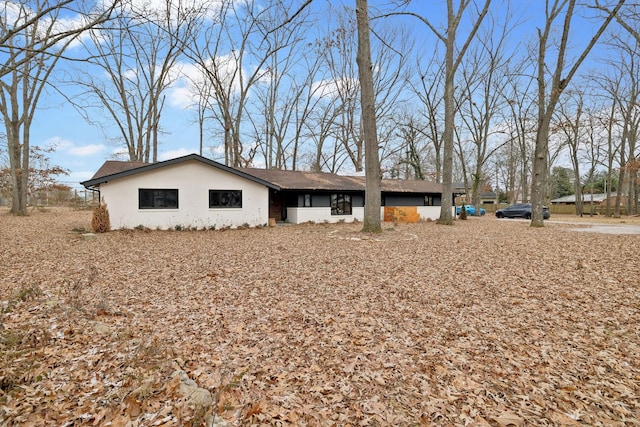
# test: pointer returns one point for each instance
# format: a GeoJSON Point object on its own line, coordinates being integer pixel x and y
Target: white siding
{"type": "Point", "coordinates": [193, 180]}
{"type": "Point", "coordinates": [430, 212]}
{"type": "Point", "coordinates": [319, 215]}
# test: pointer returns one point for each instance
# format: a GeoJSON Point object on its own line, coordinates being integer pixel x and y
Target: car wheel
{"type": "Point", "coordinates": [527, 216]}
{"type": "Point", "coordinates": [499, 215]}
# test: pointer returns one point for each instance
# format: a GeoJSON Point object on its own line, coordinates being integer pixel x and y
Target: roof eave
{"type": "Point", "coordinates": [97, 181]}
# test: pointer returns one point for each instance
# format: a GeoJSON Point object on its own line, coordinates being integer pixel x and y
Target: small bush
{"type": "Point", "coordinates": [100, 221]}
{"type": "Point", "coordinates": [463, 213]}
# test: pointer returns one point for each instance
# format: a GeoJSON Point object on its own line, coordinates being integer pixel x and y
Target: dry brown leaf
{"type": "Point", "coordinates": [509, 420]}
{"type": "Point", "coordinates": [290, 325]}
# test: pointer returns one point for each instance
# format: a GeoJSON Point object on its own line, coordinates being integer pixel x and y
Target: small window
{"type": "Point", "coordinates": [225, 198]}
{"type": "Point", "coordinates": [340, 204]}
{"type": "Point", "coordinates": [151, 198]}
{"type": "Point", "coordinates": [307, 201]}
{"type": "Point", "coordinates": [428, 201]}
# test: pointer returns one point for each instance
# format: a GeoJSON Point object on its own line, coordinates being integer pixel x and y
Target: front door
{"type": "Point", "coordinates": [276, 207]}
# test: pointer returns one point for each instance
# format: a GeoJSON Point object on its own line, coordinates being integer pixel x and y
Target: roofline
{"type": "Point", "coordinates": [103, 179]}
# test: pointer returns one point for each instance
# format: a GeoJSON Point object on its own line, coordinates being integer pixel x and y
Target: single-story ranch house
{"type": "Point", "coordinates": [193, 191]}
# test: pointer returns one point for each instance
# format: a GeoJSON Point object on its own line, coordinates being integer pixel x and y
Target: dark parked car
{"type": "Point", "coordinates": [520, 210]}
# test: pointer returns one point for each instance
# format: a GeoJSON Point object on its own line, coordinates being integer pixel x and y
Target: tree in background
{"type": "Point", "coordinates": [43, 185]}
{"type": "Point", "coordinates": [35, 36]}
{"type": "Point", "coordinates": [571, 127]}
{"type": "Point", "coordinates": [452, 60]}
{"type": "Point", "coordinates": [17, 17]}
{"type": "Point", "coordinates": [244, 47]}
{"type": "Point", "coordinates": [549, 95]}
{"type": "Point", "coordinates": [561, 182]}
{"type": "Point", "coordinates": [484, 80]}
{"type": "Point", "coordinates": [429, 89]}
{"type": "Point", "coordinates": [136, 55]}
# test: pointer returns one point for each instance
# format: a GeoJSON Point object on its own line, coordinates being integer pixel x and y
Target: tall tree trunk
{"type": "Point", "coordinates": [372, 159]}
{"type": "Point", "coordinates": [547, 102]}
{"type": "Point", "coordinates": [446, 215]}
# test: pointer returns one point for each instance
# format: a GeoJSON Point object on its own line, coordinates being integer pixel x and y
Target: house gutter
{"type": "Point", "coordinates": [95, 190]}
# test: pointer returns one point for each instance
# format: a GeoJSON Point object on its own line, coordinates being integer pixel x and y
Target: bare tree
{"type": "Point", "coordinates": [200, 87]}
{"type": "Point", "coordinates": [485, 77]}
{"type": "Point", "coordinates": [414, 158]}
{"type": "Point", "coordinates": [339, 56]}
{"type": "Point", "coordinates": [276, 122]}
{"type": "Point", "coordinates": [548, 97]}
{"type": "Point", "coordinates": [520, 123]}
{"type": "Point", "coordinates": [429, 89]}
{"type": "Point", "coordinates": [629, 109]}
{"type": "Point", "coordinates": [235, 53]}
{"type": "Point", "coordinates": [368, 99]}
{"type": "Point", "coordinates": [453, 58]}
{"type": "Point", "coordinates": [34, 38]}
{"type": "Point", "coordinates": [137, 54]}
{"type": "Point", "coordinates": [609, 120]}
{"type": "Point", "coordinates": [17, 17]}
{"type": "Point", "coordinates": [570, 124]}
{"type": "Point", "coordinates": [593, 152]}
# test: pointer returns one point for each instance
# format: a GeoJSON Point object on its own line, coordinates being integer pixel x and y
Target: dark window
{"type": "Point", "coordinates": [151, 198]}
{"type": "Point", "coordinates": [428, 201]}
{"type": "Point", "coordinates": [225, 198]}
{"type": "Point", "coordinates": [340, 204]}
{"type": "Point", "coordinates": [307, 201]}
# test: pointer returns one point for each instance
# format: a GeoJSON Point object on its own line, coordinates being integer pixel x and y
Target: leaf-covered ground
{"type": "Point", "coordinates": [484, 323]}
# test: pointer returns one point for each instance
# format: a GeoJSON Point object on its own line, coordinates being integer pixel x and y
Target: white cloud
{"type": "Point", "coordinates": [58, 143]}
{"type": "Point", "coordinates": [80, 176]}
{"type": "Point", "coordinates": [64, 145]}
{"type": "Point", "coordinates": [190, 81]}
{"type": "Point", "coordinates": [119, 154]}
{"type": "Point", "coordinates": [331, 88]}
{"type": "Point", "coordinates": [181, 97]}
{"type": "Point", "coordinates": [157, 9]}
{"type": "Point", "coordinates": [172, 154]}
{"type": "Point", "coordinates": [86, 150]}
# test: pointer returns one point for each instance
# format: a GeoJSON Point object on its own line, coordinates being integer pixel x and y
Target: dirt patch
{"type": "Point", "coordinates": [487, 322]}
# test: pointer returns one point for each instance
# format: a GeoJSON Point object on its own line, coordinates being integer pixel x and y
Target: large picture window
{"type": "Point", "coordinates": [225, 198]}
{"type": "Point", "coordinates": [340, 204]}
{"type": "Point", "coordinates": [152, 198]}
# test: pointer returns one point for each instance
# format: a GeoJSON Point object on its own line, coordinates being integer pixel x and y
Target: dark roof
{"type": "Point", "coordinates": [410, 186]}
{"type": "Point", "coordinates": [298, 180]}
{"type": "Point", "coordinates": [272, 178]}
{"type": "Point", "coordinates": [111, 167]}
{"type": "Point", "coordinates": [111, 170]}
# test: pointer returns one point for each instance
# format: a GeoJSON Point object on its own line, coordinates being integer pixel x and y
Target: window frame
{"type": "Point", "coordinates": [230, 195]}
{"type": "Point", "coordinates": [155, 193]}
{"type": "Point", "coordinates": [342, 200]}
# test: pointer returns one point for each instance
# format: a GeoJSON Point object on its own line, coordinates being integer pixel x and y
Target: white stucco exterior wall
{"type": "Point", "coordinates": [193, 179]}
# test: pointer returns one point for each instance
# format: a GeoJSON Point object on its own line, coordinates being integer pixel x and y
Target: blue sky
{"type": "Point", "coordinates": [81, 147]}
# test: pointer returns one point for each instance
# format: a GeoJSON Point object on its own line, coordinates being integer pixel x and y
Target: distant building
{"type": "Point", "coordinates": [599, 199]}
